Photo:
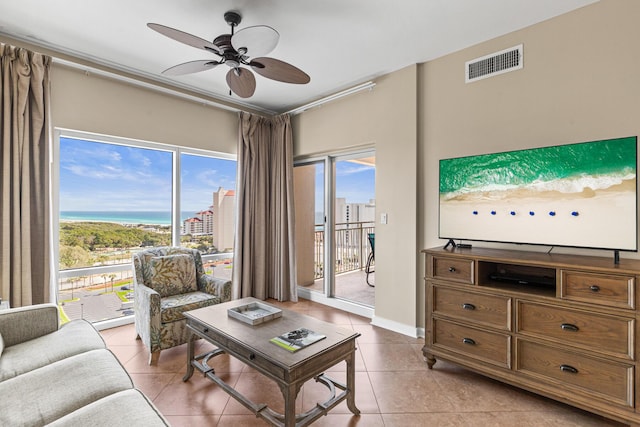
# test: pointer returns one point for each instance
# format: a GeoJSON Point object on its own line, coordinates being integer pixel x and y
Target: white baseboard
{"type": "Point", "coordinates": [394, 326]}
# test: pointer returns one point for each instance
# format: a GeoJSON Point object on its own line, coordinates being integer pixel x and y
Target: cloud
{"type": "Point", "coordinates": [351, 170]}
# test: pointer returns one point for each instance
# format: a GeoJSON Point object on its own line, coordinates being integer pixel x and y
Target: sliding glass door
{"type": "Point", "coordinates": [335, 227]}
{"type": "Point", "coordinates": [354, 227]}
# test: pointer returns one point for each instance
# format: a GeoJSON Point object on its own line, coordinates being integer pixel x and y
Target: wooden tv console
{"type": "Point", "coordinates": [563, 326]}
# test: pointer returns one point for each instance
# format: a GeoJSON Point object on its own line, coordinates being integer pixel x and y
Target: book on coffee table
{"type": "Point", "coordinates": [297, 339]}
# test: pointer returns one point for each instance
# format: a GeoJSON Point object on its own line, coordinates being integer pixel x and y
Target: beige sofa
{"type": "Point", "coordinates": [64, 376]}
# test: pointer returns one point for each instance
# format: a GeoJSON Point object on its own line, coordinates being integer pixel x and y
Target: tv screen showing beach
{"type": "Point", "coordinates": [578, 195]}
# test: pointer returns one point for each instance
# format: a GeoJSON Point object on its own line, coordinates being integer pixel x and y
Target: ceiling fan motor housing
{"type": "Point", "coordinates": [232, 18]}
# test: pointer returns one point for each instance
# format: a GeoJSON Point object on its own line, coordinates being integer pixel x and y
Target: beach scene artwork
{"type": "Point", "coordinates": [579, 195]}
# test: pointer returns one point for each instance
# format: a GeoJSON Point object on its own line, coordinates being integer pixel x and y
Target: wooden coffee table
{"type": "Point", "coordinates": [250, 344]}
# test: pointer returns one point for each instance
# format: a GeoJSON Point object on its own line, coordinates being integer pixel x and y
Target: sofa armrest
{"type": "Point", "coordinates": [21, 324]}
{"type": "Point", "coordinates": [215, 286]}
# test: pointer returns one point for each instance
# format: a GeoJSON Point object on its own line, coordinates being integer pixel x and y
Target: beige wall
{"type": "Point", "coordinates": [384, 118]}
{"type": "Point", "coordinates": [93, 103]}
{"type": "Point", "coordinates": [579, 83]}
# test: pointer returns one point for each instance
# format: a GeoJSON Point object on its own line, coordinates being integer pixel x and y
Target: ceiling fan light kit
{"type": "Point", "coordinates": [239, 51]}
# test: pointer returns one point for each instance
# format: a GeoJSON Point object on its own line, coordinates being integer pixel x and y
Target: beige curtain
{"type": "Point", "coordinates": [24, 189]}
{"type": "Point", "coordinates": [264, 252]}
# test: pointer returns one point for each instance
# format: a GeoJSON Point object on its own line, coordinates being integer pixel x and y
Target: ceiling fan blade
{"type": "Point", "coordinates": [279, 70]}
{"type": "Point", "coordinates": [242, 82]}
{"type": "Point", "coordinates": [255, 41]}
{"type": "Point", "coordinates": [191, 67]}
{"type": "Point", "coordinates": [185, 38]}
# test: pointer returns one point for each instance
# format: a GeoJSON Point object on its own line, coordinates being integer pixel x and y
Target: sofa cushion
{"type": "Point", "coordinates": [125, 408]}
{"type": "Point", "coordinates": [172, 307]}
{"type": "Point", "coordinates": [173, 274]}
{"type": "Point", "coordinates": [45, 394]}
{"type": "Point", "coordinates": [75, 337]}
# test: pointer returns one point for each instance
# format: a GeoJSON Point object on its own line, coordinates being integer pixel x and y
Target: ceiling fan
{"type": "Point", "coordinates": [238, 51]}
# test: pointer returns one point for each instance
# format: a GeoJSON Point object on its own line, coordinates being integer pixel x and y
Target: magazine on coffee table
{"type": "Point", "coordinates": [297, 339]}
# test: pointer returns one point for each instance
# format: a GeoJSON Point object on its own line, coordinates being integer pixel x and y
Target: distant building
{"type": "Point", "coordinates": [224, 202]}
{"type": "Point", "coordinates": [192, 226]}
{"type": "Point", "coordinates": [354, 212]}
{"type": "Point", "coordinates": [207, 221]}
{"type": "Point", "coordinates": [218, 220]}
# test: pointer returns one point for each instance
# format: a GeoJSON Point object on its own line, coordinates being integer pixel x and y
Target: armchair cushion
{"type": "Point", "coordinates": [172, 307]}
{"type": "Point", "coordinates": [173, 274]}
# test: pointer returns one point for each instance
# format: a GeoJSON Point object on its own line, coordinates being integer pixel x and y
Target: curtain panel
{"type": "Point", "coordinates": [25, 241]}
{"type": "Point", "coordinates": [264, 252]}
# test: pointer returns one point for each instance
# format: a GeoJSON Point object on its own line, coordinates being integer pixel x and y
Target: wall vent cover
{"type": "Point", "coordinates": [493, 64]}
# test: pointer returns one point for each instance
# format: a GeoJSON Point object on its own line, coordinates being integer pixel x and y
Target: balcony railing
{"type": "Point", "coordinates": [351, 244]}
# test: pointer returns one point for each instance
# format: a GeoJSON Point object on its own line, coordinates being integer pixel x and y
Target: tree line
{"type": "Point", "coordinates": [85, 243]}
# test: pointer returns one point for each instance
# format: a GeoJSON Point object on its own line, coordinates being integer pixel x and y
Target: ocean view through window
{"type": "Point", "coordinates": [116, 197]}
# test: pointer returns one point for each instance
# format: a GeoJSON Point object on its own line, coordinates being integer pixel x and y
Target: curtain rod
{"type": "Point", "coordinates": [321, 101]}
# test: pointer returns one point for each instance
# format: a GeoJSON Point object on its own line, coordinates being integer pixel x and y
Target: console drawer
{"type": "Point", "coordinates": [606, 379]}
{"type": "Point", "coordinates": [483, 345]}
{"type": "Point", "coordinates": [490, 310]}
{"type": "Point", "coordinates": [607, 334]}
{"type": "Point", "coordinates": [614, 291]}
{"type": "Point", "coordinates": [244, 354]}
{"type": "Point", "coordinates": [454, 269]}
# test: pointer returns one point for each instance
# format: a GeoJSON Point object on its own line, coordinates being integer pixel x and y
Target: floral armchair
{"type": "Point", "coordinates": [167, 282]}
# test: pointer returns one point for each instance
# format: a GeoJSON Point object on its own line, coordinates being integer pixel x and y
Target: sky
{"type": "Point", "coordinates": [354, 182]}
{"type": "Point", "coordinates": [108, 177]}
{"type": "Point", "coordinates": [98, 176]}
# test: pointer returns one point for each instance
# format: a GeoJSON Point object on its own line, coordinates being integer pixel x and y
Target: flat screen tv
{"type": "Point", "coordinates": [577, 195]}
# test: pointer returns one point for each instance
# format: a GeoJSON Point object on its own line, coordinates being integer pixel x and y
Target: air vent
{"type": "Point", "coordinates": [494, 64]}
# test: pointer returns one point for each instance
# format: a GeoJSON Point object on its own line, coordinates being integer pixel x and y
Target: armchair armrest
{"type": "Point", "coordinates": [215, 286]}
{"type": "Point", "coordinates": [146, 304]}
{"type": "Point", "coordinates": [22, 324]}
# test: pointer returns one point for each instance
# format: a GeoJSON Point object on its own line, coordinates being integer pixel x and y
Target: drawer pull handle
{"type": "Point", "coordinates": [468, 306]}
{"type": "Point", "coordinates": [569, 327]}
{"type": "Point", "coordinates": [594, 288]}
{"type": "Point", "coordinates": [568, 368]}
{"type": "Point", "coordinates": [468, 341]}
{"type": "Point", "coordinates": [452, 269]}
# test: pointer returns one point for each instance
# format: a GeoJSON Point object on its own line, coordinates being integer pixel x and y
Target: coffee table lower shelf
{"type": "Point", "coordinates": [261, 410]}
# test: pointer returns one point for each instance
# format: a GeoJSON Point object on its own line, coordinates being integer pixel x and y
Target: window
{"type": "Point", "coordinates": [118, 196]}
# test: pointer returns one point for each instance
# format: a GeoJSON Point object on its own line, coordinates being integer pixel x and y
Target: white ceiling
{"type": "Point", "coordinates": [339, 43]}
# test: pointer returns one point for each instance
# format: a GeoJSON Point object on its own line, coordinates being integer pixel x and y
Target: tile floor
{"type": "Point", "coordinates": [393, 386]}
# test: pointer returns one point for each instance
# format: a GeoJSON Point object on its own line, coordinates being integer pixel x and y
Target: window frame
{"type": "Point", "coordinates": [54, 194]}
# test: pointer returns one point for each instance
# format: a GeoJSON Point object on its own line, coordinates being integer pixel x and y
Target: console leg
{"type": "Point", "coordinates": [430, 360]}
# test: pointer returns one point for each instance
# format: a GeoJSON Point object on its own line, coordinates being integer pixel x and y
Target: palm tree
{"type": "Point", "coordinates": [112, 276]}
